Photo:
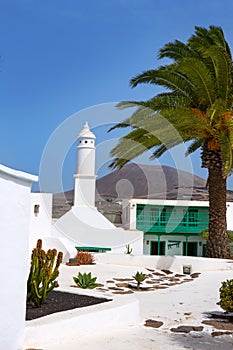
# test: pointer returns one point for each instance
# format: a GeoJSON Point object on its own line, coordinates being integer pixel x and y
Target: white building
{"type": "Point", "coordinates": [171, 227]}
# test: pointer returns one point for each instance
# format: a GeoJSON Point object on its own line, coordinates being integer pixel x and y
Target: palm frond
{"type": "Point", "coordinates": [195, 145]}
{"type": "Point", "coordinates": [134, 144]}
{"type": "Point", "coordinates": [200, 77]}
{"type": "Point", "coordinates": [226, 150]}
{"type": "Point", "coordinates": [176, 50]}
{"type": "Point", "coordinates": [222, 69]}
{"type": "Point", "coordinates": [163, 148]}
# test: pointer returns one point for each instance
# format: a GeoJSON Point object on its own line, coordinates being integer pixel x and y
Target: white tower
{"type": "Point", "coordinates": [84, 191]}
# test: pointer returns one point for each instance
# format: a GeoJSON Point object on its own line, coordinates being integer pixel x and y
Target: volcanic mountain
{"type": "Point", "coordinates": [140, 181]}
{"type": "Point", "coordinates": [150, 181]}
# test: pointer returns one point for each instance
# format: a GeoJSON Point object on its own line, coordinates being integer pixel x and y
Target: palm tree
{"type": "Point", "coordinates": [196, 108]}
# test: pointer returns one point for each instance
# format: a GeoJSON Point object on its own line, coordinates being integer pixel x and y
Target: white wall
{"type": "Point", "coordinates": [230, 216]}
{"type": "Point", "coordinates": [40, 223]}
{"type": "Point", "coordinates": [173, 263]}
{"type": "Point", "coordinates": [15, 188]}
{"type": "Point", "coordinates": [173, 250]}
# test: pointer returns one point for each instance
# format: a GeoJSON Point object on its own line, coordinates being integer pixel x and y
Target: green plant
{"type": "Point", "coordinates": [85, 258]}
{"type": "Point", "coordinates": [85, 281]}
{"type": "Point", "coordinates": [43, 274]}
{"type": "Point", "coordinates": [139, 278]}
{"type": "Point", "coordinates": [226, 296]}
{"type": "Point", "coordinates": [128, 249]}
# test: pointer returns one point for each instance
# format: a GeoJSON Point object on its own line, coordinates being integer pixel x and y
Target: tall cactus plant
{"type": "Point", "coordinates": [43, 274]}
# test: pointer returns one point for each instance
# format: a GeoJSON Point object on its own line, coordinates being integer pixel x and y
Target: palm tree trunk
{"type": "Point", "coordinates": [217, 244]}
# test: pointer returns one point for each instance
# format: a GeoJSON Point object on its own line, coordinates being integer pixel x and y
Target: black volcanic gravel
{"type": "Point", "coordinates": [61, 301]}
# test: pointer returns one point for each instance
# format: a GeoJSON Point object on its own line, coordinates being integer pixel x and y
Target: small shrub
{"type": "Point", "coordinates": [139, 278]}
{"type": "Point", "coordinates": [85, 281]}
{"type": "Point", "coordinates": [43, 274]}
{"type": "Point", "coordinates": [226, 296]}
{"type": "Point", "coordinates": [85, 258]}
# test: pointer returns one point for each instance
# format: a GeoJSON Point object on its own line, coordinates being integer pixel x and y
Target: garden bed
{"type": "Point", "coordinates": [61, 301]}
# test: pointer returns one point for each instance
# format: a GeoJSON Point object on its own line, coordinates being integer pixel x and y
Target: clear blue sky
{"type": "Point", "coordinates": [59, 57]}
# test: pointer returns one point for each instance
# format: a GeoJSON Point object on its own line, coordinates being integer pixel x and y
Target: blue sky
{"type": "Point", "coordinates": [58, 58]}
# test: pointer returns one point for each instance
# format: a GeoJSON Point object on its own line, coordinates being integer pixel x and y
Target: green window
{"type": "Point", "coordinates": [168, 219]}
{"type": "Point", "coordinates": [193, 217]}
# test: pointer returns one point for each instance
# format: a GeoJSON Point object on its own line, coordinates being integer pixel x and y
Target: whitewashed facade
{"type": "Point", "coordinates": [15, 191]}
{"type": "Point", "coordinates": [178, 234]}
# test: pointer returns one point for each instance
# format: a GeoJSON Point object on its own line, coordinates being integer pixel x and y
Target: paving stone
{"type": "Point", "coordinates": [122, 285]}
{"type": "Point", "coordinates": [124, 292]}
{"type": "Point", "coordinates": [168, 272]}
{"type": "Point", "coordinates": [195, 275]}
{"type": "Point", "coordinates": [153, 323]}
{"type": "Point", "coordinates": [174, 279]}
{"type": "Point", "coordinates": [123, 279]}
{"type": "Point", "coordinates": [219, 333]}
{"type": "Point", "coordinates": [228, 326]}
{"type": "Point", "coordinates": [149, 282]}
{"type": "Point", "coordinates": [187, 329]}
{"type": "Point", "coordinates": [158, 274]}
{"type": "Point", "coordinates": [115, 288]}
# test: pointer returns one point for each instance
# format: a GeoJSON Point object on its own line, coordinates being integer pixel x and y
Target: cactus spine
{"type": "Point", "coordinates": [43, 274]}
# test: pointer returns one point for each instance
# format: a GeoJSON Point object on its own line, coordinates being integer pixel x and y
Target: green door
{"type": "Point", "coordinates": [157, 248]}
{"type": "Point", "coordinates": [191, 249]}
{"type": "Point", "coordinates": [204, 250]}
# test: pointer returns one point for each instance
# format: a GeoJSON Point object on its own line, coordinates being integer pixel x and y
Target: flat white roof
{"type": "Point", "coordinates": [171, 202]}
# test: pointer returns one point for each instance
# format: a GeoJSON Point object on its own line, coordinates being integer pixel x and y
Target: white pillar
{"type": "Point", "coordinates": [84, 191]}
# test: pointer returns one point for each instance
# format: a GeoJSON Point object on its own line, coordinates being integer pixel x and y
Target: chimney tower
{"type": "Point", "coordinates": [85, 178]}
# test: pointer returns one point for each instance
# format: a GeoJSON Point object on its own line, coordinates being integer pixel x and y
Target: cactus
{"type": "Point", "coordinates": [85, 281]}
{"type": "Point", "coordinates": [128, 249]}
{"type": "Point", "coordinates": [43, 274]}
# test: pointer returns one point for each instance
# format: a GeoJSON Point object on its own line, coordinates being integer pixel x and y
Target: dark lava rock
{"type": "Point", "coordinates": [228, 326]}
{"type": "Point", "coordinates": [153, 323]}
{"type": "Point", "coordinates": [195, 275]}
{"type": "Point", "coordinates": [187, 329]}
{"type": "Point", "coordinates": [168, 272]}
{"type": "Point", "coordinates": [219, 333]}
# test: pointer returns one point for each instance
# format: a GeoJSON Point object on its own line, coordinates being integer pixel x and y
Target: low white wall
{"type": "Point", "coordinates": [173, 263]}
{"type": "Point", "coordinates": [15, 188]}
{"type": "Point", "coordinates": [82, 321]}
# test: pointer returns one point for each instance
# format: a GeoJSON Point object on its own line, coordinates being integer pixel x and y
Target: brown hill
{"type": "Point", "coordinates": [149, 181]}
{"type": "Point", "coordinates": [140, 181]}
